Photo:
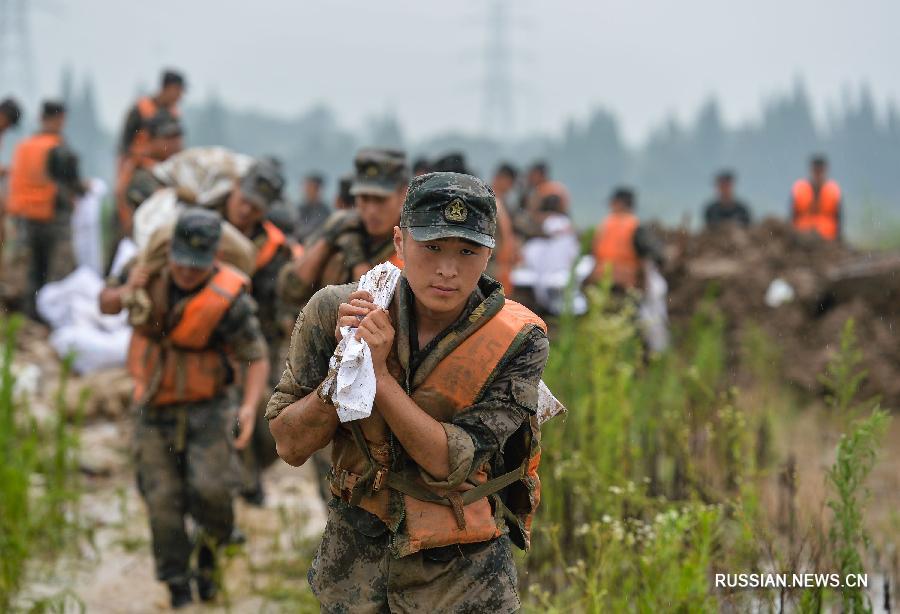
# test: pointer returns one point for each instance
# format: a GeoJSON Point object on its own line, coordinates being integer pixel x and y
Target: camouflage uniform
{"type": "Point", "coordinates": [185, 457]}
{"type": "Point", "coordinates": [378, 172]}
{"type": "Point", "coordinates": [356, 568]}
{"type": "Point", "coordinates": [273, 314]}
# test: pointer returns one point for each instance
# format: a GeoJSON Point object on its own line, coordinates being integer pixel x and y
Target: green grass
{"type": "Point", "coordinates": [38, 483]}
{"type": "Point", "coordinates": [656, 477]}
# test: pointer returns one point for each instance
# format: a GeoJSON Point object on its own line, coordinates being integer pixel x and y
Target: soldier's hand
{"type": "Point", "coordinates": [377, 331]}
{"type": "Point", "coordinates": [358, 306]}
{"type": "Point", "coordinates": [138, 276]}
{"type": "Point", "coordinates": [246, 422]}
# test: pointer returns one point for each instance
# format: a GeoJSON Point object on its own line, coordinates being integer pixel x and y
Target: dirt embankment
{"type": "Point", "coordinates": [822, 285]}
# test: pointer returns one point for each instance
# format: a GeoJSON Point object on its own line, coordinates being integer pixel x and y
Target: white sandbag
{"type": "Point", "coordinates": [548, 263]}
{"type": "Point", "coordinates": [157, 211]}
{"type": "Point", "coordinates": [92, 349]}
{"type": "Point", "coordinates": [125, 251]}
{"type": "Point", "coordinates": [87, 234]}
{"type": "Point", "coordinates": [55, 300]}
{"type": "Point", "coordinates": [653, 313]}
{"type": "Point", "coordinates": [208, 173]}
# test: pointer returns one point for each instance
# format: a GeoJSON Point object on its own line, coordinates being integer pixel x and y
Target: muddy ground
{"type": "Point", "coordinates": [112, 570]}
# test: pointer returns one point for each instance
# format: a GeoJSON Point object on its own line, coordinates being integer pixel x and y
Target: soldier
{"type": "Point", "coordinates": [134, 133]}
{"type": "Point", "coordinates": [726, 208]}
{"type": "Point", "coordinates": [43, 184]}
{"type": "Point", "coordinates": [430, 491]}
{"type": "Point", "coordinates": [246, 209]}
{"type": "Point", "coordinates": [352, 242]}
{"type": "Point", "coordinates": [136, 182]}
{"type": "Point", "coordinates": [10, 114]}
{"type": "Point", "coordinates": [203, 322]}
{"type": "Point", "coordinates": [312, 212]}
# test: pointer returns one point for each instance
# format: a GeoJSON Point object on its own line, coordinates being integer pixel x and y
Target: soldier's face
{"type": "Point", "coordinates": [188, 277]}
{"type": "Point", "coordinates": [379, 214]}
{"type": "Point", "coordinates": [441, 273]}
{"type": "Point", "coordinates": [241, 213]}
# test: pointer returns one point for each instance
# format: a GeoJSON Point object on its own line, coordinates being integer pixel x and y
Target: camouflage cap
{"type": "Point", "coordinates": [379, 171]}
{"type": "Point", "coordinates": [262, 184]}
{"type": "Point", "coordinates": [440, 205]}
{"type": "Point", "coordinates": [196, 237]}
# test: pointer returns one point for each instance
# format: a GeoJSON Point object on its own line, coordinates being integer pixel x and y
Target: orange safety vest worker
{"type": "Point", "coordinates": [432, 517]}
{"type": "Point", "coordinates": [32, 192]}
{"type": "Point", "coordinates": [274, 239]}
{"type": "Point", "coordinates": [179, 366]}
{"type": "Point", "coordinates": [506, 248]}
{"type": "Point", "coordinates": [147, 108]}
{"type": "Point", "coordinates": [614, 248]}
{"type": "Point", "coordinates": [817, 212]}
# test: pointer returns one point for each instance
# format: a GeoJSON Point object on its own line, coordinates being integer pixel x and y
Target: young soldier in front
{"type": "Point", "coordinates": [430, 490]}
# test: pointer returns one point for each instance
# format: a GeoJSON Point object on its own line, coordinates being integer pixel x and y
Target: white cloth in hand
{"type": "Point", "coordinates": [351, 376]}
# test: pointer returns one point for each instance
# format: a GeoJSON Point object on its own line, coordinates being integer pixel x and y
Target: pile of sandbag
{"type": "Point", "coordinates": [798, 289]}
{"type": "Point", "coordinates": [71, 308]}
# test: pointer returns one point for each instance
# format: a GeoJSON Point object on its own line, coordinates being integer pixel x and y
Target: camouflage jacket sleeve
{"type": "Point", "coordinates": [312, 344]}
{"type": "Point", "coordinates": [240, 331]}
{"type": "Point", "coordinates": [477, 434]}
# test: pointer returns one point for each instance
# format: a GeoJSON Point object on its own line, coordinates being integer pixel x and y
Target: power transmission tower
{"type": "Point", "coordinates": [499, 116]}
{"type": "Point", "coordinates": [17, 68]}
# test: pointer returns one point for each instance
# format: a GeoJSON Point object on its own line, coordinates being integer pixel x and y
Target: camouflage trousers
{"type": "Point", "coordinates": [186, 465]}
{"type": "Point", "coordinates": [354, 571]}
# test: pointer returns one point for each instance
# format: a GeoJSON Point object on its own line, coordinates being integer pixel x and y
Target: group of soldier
{"type": "Point", "coordinates": [426, 496]}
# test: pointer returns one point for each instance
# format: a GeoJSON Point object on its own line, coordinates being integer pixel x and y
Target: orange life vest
{"type": "Point", "coordinates": [147, 108]}
{"type": "Point", "coordinates": [614, 248]}
{"type": "Point", "coordinates": [818, 214]}
{"type": "Point", "coordinates": [181, 367]}
{"type": "Point", "coordinates": [434, 518]}
{"type": "Point", "coordinates": [274, 240]}
{"type": "Point", "coordinates": [396, 260]}
{"type": "Point", "coordinates": [32, 192]}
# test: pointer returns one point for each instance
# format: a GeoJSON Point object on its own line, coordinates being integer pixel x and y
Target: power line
{"type": "Point", "coordinates": [498, 97]}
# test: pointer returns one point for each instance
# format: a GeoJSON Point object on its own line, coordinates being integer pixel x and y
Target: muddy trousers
{"type": "Point", "coordinates": [354, 571]}
{"type": "Point", "coordinates": [186, 465]}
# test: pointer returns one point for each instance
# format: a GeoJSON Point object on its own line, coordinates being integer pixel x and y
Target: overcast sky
{"type": "Point", "coordinates": [423, 60]}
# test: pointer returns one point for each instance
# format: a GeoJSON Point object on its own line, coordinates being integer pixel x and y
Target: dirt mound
{"type": "Point", "coordinates": [818, 286]}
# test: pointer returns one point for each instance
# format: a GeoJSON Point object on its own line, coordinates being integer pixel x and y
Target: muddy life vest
{"type": "Point", "coordinates": [473, 512]}
{"type": "Point", "coordinates": [818, 213]}
{"type": "Point", "coordinates": [614, 249]}
{"type": "Point", "coordinates": [179, 366]}
{"type": "Point", "coordinates": [32, 192]}
{"type": "Point", "coordinates": [274, 240]}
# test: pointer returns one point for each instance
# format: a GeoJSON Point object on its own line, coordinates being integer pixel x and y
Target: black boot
{"type": "Point", "coordinates": [181, 594]}
{"type": "Point", "coordinates": [207, 588]}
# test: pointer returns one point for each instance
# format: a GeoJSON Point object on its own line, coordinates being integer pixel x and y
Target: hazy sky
{"type": "Point", "coordinates": [422, 58]}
